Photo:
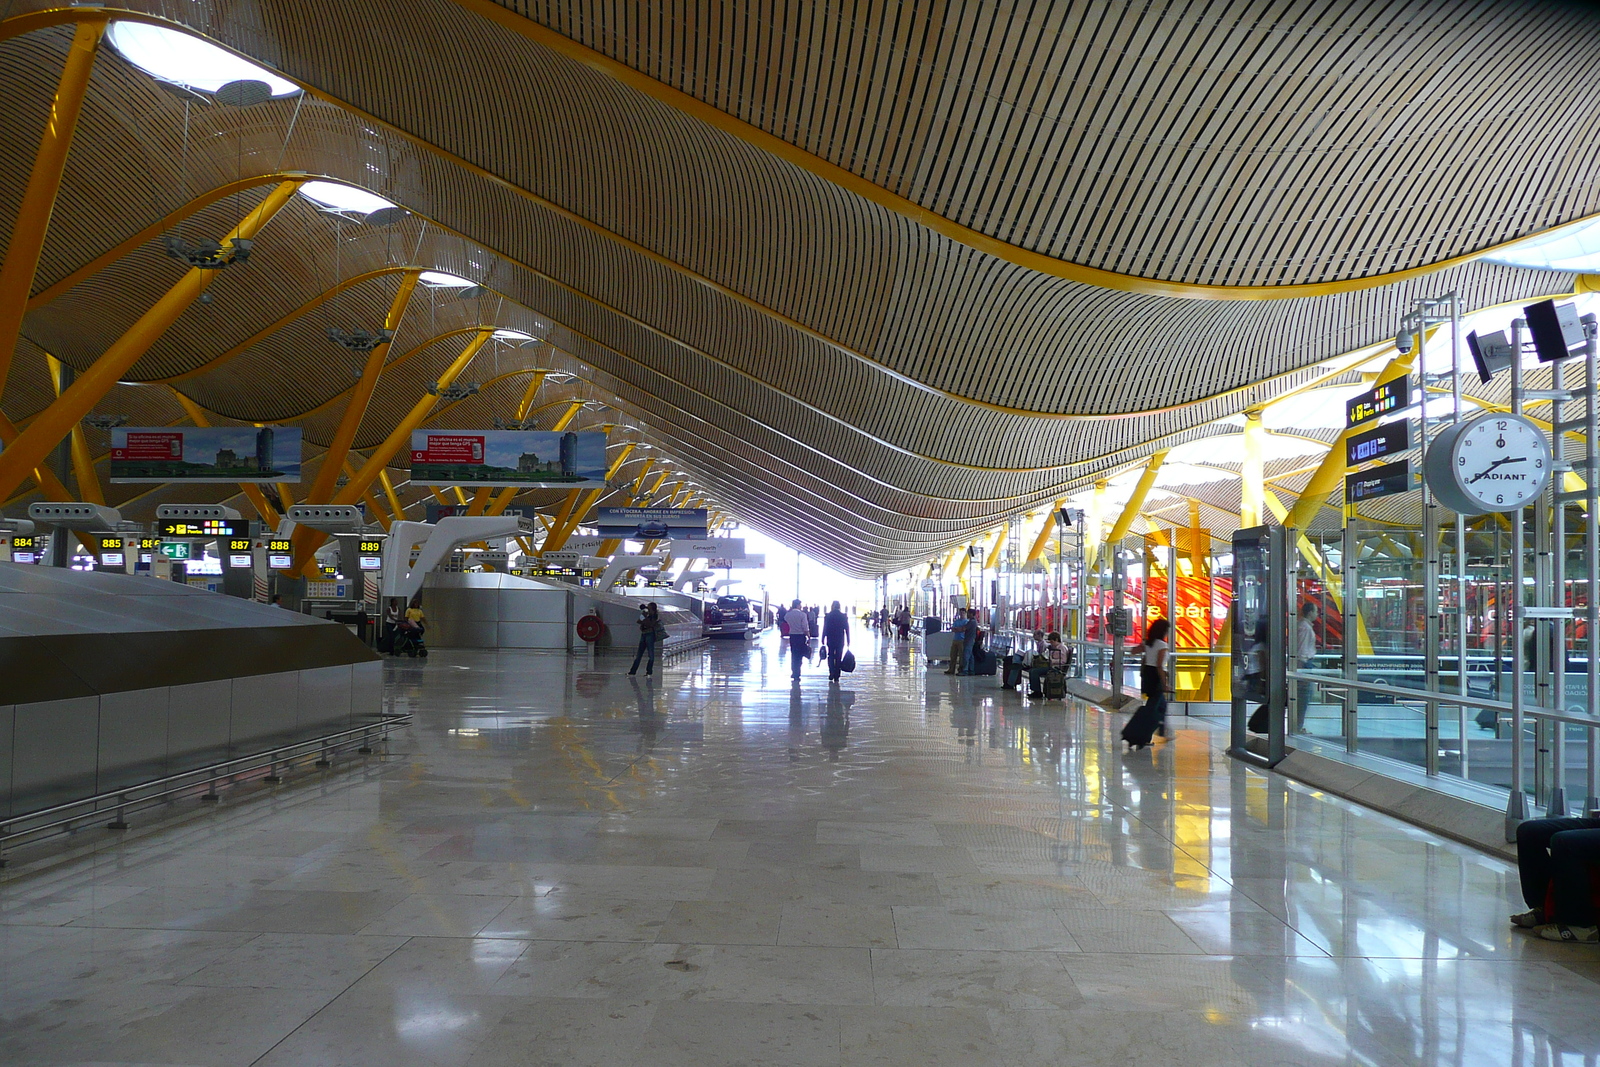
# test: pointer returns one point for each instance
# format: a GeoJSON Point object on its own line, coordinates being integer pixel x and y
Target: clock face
{"type": "Point", "coordinates": [1496, 462]}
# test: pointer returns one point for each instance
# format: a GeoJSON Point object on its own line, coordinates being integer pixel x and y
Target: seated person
{"type": "Point", "coordinates": [1054, 656]}
{"type": "Point", "coordinates": [1556, 859]}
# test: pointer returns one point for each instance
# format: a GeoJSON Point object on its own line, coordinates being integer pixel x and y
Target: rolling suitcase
{"type": "Point", "coordinates": [1141, 727]}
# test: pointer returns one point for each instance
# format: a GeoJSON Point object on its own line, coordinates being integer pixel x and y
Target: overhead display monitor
{"type": "Point", "coordinates": [280, 553]}
{"type": "Point", "coordinates": [1491, 354]}
{"type": "Point", "coordinates": [651, 524]}
{"type": "Point", "coordinates": [148, 547]}
{"type": "Point", "coordinates": [1557, 331]}
{"type": "Point", "coordinates": [112, 552]}
{"type": "Point", "coordinates": [205, 454]}
{"type": "Point", "coordinates": [370, 551]}
{"type": "Point", "coordinates": [565, 460]}
{"type": "Point", "coordinates": [1386, 440]}
{"type": "Point", "coordinates": [1379, 400]}
{"type": "Point", "coordinates": [24, 548]}
{"type": "Point", "coordinates": [202, 529]}
{"type": "Point", "coordinates": [1384, 480]}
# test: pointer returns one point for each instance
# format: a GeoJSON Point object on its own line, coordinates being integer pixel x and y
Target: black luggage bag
{"type": "Point", "coordinates": [932, 624]}
{"type": "Point", "coordinates": [1055, 685]}
{"type": "Point", "coordinates": [1141, 727]}
{"type": "Point", "coordinates": [1013, 672]}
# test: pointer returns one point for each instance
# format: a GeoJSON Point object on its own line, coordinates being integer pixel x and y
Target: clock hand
{"type": "Point", "coordinates": [1499, 462]}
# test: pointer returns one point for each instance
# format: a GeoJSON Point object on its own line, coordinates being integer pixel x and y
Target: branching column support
{"type": "Point", "coordinates": [1046, 528]}
{"type": "Point", "coordinates": [32, 445]}
{"type": "Point", "coordinates": [360, 397]}
{"type": "Point", "coordinates": [82, 462]}
{"type": "Point", "coordinates": [1141, 489]}
{"type": "Point", "coordinates": [39, 197]}
{"type": "Point", "coordinates": [399, 437]}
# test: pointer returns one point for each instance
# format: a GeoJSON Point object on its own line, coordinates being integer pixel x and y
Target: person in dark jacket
{"type": "Point", "coordinates": [835, 639]}
{"type": "Point", "coordinates": [650, 629]}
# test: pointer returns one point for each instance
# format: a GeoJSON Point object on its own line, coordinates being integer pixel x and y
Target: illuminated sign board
{"type": "Point", "coordinates": [280, 553]}
{"type": "Point", "coordinates": [203, 528]}
{"type": "Point", "coordinates": [1385, 440]}
{"type": "Point", "coordinates": [1379, 400]}
{"type": "Point", "coordinates": [175, 549]}
{"type": "Point", "coordinates": [1385, 480]}
{"type": "Point", "coordinates": [111, 552]}
{"type": "Point", "coordinates": [239, 552]}
{"type": "Point", "coordinates": [371, 552]}
{"type": "Point", "coordinates": [24, 548]}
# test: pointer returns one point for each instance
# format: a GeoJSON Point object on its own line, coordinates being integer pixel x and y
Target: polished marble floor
{"type": "Point", "coordinates": [560, 865]}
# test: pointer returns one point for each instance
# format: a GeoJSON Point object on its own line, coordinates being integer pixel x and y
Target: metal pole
{"type": "Point", "coordinates": [1557, 807]}
{"type": "Point", "coordinates": [1461, 542]}
{"type": "Point", "coordinates": [1349, 550]}
{"type": "Point", "coordinates": [1591, 556]}
{"type": "Point", "coordinates": [1430, 572]}
{"type": "Point", "coordinates": [1517, 803]}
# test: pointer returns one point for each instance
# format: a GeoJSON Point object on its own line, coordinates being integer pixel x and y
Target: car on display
{"type": "Point", "coordinates": [729, 616]}
{"type": "Point", "coordinates": [652, 531]}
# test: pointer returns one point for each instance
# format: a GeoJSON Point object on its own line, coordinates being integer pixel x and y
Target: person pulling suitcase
{"type": "Point", "coordinates": [1142, 727]}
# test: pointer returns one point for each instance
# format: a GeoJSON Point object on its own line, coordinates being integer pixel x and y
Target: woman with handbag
{"type": "Point", "coordinates": [835, 638]}
{"type": "Point", "coordinates": [650, 630]}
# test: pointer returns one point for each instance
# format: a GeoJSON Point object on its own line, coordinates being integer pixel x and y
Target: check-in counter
{"type": "Point", "coordinates": [109, 680]}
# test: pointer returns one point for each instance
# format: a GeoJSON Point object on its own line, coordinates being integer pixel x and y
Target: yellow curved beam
{"type": "Point", "coordinates": [44, 181]}
{"type": "Point", "coordinates": [910, 209]}
{"type": "Point", "coordinates": [17, 25]}
{"type": "Point", "coordinates": [32, 445]}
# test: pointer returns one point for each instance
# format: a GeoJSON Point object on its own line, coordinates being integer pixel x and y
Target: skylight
{"type": "Point", "coordinates": [511, 335]}
{"type": "Point", "coordinates": [1229, 448]}
{"type": "Point", "coordinates": [336, 197]}
{"type": "Point", "coordinates": [182, 59]}
{"type": "Point", "coordinates": [438, 279]}
{"type": "Point", "coordinates": [1315, 409]}
{"type": "Point", "coordinates": [1575, 248]}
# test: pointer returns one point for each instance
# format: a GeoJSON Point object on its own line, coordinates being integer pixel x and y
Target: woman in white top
{"type": "Point", "coordinates": [1153, 670]}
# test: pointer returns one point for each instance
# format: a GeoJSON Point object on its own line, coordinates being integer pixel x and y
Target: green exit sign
{"type": "Point", "coordinates": [175, 549]}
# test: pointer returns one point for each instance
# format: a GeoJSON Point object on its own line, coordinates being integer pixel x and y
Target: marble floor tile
{"type": "Point", "coordinates": [852, 925]}
{"type": "Point", "coordinates": [530, 877]}
{"type": "Point", "coordinates": [1012, 981]}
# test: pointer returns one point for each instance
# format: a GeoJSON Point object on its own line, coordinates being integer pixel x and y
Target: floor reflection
{"type": "Point", "coordinates": [714, 864]}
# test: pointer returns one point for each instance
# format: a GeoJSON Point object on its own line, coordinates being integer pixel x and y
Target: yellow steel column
{"type": "Point", "coordinates": [39, 196]}
{"type": "Point", "coordinates": [480, 500]}
{"type": "Point", "coordinates": [54, 422]}
{"type": "Point", "coordinates": [992, 559]}
{"type": "Point", "coordinates": [360, 397]}
{"type": "Point", "coordinates": [253, 493]}
{"type": "Point", "coordinates": [82, 462]}
{"type": "Point", "coordinates": [559, 529]}
{"type": "Point", "coordinates": [566, 418]}
{"type": "Point", "coordinates": [1251, 483]}
{"type": "Point", "coordinates": [1041, 542]}
{"type": "Point", "coordinates": [1094, 524]}
{"type": "Point", "coordinates": [394, 497]}
{"type": "Point", "coordinates": [529, 393]}
{"type": "Point", "coordinates": [398, 438]}
{"type": "Point", "coordinates": [1141, 489]}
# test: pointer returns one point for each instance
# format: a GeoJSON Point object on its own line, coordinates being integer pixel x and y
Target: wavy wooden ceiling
{"type": "Point", "coordinates": [846, 378]}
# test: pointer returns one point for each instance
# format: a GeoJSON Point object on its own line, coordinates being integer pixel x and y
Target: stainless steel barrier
{"type": "Point", "coordinates": [73, 815]}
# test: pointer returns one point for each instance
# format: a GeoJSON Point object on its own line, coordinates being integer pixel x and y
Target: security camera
{"type": "Point", "coordinates": [1403, 340]}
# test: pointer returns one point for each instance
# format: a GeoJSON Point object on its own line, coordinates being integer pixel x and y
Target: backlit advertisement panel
{"type": "Point", "coordinates": [205, 454]}
{"type": "Point", "coordinates": [564, 460]}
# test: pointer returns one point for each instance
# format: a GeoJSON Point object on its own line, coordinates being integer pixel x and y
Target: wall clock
{"type": "Point", "coordinates": [1492, 462]}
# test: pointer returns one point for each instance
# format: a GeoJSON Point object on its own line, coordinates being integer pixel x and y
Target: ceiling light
{"type": "Point", "coordinates": [332, 196]}
{"type": "Point", "coordinates": [438, 279]}
{"type": "Point", "coordinates": [182, 59]}
{"type": "Point", "coordinates": [511, 335]}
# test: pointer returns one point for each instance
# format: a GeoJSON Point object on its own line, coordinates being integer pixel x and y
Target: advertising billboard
{"type": "Point", "coordinates": [205, 454]}
{"type": "Point", "coordinates": [509, 457]}
{"type": "Point", "coordinates": [651, 524]}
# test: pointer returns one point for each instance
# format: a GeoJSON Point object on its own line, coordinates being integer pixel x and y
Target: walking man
{"type": "Point", "coordinates": [835, 637]}
{"type": "Point", "coordinates": [799, 636]}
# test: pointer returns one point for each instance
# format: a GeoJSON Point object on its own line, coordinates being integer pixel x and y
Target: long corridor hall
{"type": "Point", "coordinates": [565, 865]}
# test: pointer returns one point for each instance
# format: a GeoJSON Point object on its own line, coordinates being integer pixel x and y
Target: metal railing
{"type": "Point", "coordinates": [1519, 713]}
{"type": "Point", "coordinates": [75, 814]}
